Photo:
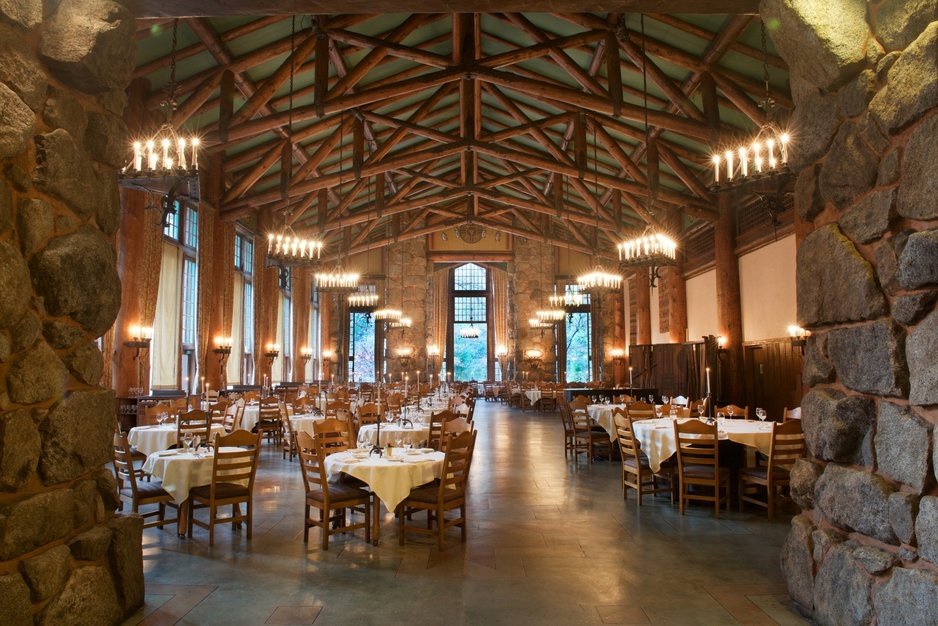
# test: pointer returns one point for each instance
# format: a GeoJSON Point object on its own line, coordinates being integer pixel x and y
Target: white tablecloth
{"type": "Point", "coordinates": [389, 433]}
{"type": "Point", "coordinates": [391, 480]}
{"type": "Point", "coordinates": [179, 471]}
{"type": "Point", "coordinates": [150, 439]}
{"type": "Point", "coordinates": [602, 415]}
{"type": "Point", "coordinates": [305, 423]}
{"type": "Point", "coordinates": [659, 443]}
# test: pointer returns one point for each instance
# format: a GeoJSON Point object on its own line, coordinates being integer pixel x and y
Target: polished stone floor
{"type": "Point", "coordinates": [550, 542]}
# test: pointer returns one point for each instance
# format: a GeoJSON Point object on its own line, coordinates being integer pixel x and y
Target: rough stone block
{"type": "Point", "coordinates": [108, 214]}
{"type": "Point", "coordinates": [850, 169]}
{"type": "Point", "coordinates": [920, 347]}
{"type": "Point", "coordinates": [89, 44]}
{"type": "Point", "coordinates": [911, 87]}
{"type": "Point", "coordinates": [126, 557]}
{"type": "Point", "coordinates": [818, 117]}
{"type": "Point", "coordinates": [26, 331]}
{"type": "Point", "coordinates": [874, 560]}
{"type": "Point", "coordinates": [804, 475]}
{"type": "Point", "coordinates": [903, 508]}
{"type": "Point", "coordinates": [106, 485]}
{"type": "Point", "coordinates": [870, 358]}
{"type": "Point", "coordinates": [842, 589]}
{"type": "Point", "coordinates": [854, 98]}
{"type": "Point", "coordinates": [86, 363]}
{"type": "Point", "coordinates": [14, 285]}
{"type": "Point", "coordinates": [855, 500]}
{"type": "Point", "coordinates": [918, 263]}
{"type": "Point", "coordinates": [903, 442]}
{"type": "Point", "coordinates": [15, 608]}
{"type": "Point", "coordinates": [911, 309]}
{"type": "Point", "coordinates": [5, 348]}
{"type": "Point", "coordinates": [6, 206]}
{"type": "Point", "coordinates": [926, 528]}
{"type": "Point", "coordinates": [89, 599]}
{"type": "Point", "coordinates": [871, 217]}
{"type": "Point", "coordinates": [836, 425]}
{"type": "Point", "coordinates": [47, 573]}
{"type": "Point", "coordinates": [897, 23]}
{"type": "Point", "coordinates": [91, 545]}
{"type": "Point", "coordinates": [76, 275]}
{"type": "Point", "coordinates": [823, 541]}
{"type": "Point", "coordinates": [17, 124]}
{"type": "Point", "coordinates": [36, 376]}
{"type": "Point", "coordinates": [64, 111]}
{"type": "Point", "coordinates": [918, 195]}
{"type": "Point", "coordinates": [21, 70]}
{"type": "Point", "coordinates": [835, 283]}
{"type": "Point", "coordinates": [35, 521]}
{"type": "Point", "coordinates": [888, 169]}
{"type": "Point", "coordinates": [77, 435]}
{"type": "Point", "coordinates": [26, 15]}
{"type": "Point", "coordinates": [887, 264]}
{"type": "Point", "coordinates": [35, 223]}
{"type": "Point", "coordinates": [808, 200]}
{"type": "Point", "coordinates": [19, 449]}
{"type": "Point", "coordinates": [86, 501]}
{"type": "Point", "coordinates": [910, 598]}
{"type": "Point", "coordinates": [797, 562]}
{"type": "Point", "coordinates": [62, 336]}
{"type": "Point", "coordinates": [65, 171]}
{"type": "Point", "coordinates": [825, 46]}
{"type": "Point", "coordinates": [106, 139]}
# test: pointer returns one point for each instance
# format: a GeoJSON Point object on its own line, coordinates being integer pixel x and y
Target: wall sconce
{"type": "Point", "coordinates": [306, 354]}
{"type": "Point", "coordinates": [328, 356]}
{"type": "Point", "coordinates": [222, 348]}
{"type": "Point", "coordinates": [140, 341]}
{"type": "Point", "coordinates": [533, 358]}
{"type": "Point", "coordinates": [272, 352]}
{"type": "Point", "coordinates": [404, 356]}
{"type": "Point", "coordinates": [618, 356]}
{"type": "Point", "coordinates": [798, 336]}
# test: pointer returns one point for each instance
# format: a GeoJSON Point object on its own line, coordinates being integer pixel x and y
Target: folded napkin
{"type": "Point", "coordinates": [169, 453]}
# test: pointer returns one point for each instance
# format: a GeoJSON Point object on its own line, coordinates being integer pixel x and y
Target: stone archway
{"type": "Point", "coordinates": [65, 556]}
{"type": "Point", "coordinates": [865, 84]}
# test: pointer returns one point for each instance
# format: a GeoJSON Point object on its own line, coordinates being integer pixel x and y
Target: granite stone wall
{"type": "Point", "coordinates": [865, 82]}
{"type": "Point", "coordinates": [530, 284]}
{"type": "Point", "coordinates": [408, 287]}
{"type": "Point", "coordinates": [65, 557]}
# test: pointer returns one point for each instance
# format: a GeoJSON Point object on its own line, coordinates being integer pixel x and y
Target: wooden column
{"type": "Point", "coordinates": [127, 371]}
{"type": "Point", "coordinates": [642, 306]}
{"type": "Point", "coordinates": [301, 308]}
{"type": "Point", "coordinates": [677, 294]}
{"type": "Point", "coordinates": [729, 311]}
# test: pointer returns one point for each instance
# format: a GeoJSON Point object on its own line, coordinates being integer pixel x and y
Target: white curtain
{"type": "Point", "coordinates": [237, 336]}
{"type": "Point", "coordinates": [166, 324]}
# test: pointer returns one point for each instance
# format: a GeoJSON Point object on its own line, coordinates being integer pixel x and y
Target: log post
{"type": "Point", "coordinates": [729, 311]}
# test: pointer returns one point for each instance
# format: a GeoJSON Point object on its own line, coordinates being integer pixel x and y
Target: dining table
{"type": "Point", "coordinates": [659, 442]}
{"type": "Point", "coordinates": [179, 472]}
{"type": "Point", "coordinates": [152, 439]}
{"type": "Point", "coordinates": [602, 414]}
{"type": "Point", "coordinates": [415, 435]}
{"type": "Point", "coordinates": [390, 476]}
{"type": "Point", "coordinates": [306, 422]}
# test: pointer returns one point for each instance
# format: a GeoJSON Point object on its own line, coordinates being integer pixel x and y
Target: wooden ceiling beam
{"type": "Point", "coordinates": [392, 48]}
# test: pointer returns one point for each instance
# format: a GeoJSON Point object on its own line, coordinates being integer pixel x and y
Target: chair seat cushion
{"type": "Point", "coordinates": [430, 493]}
{"type": "Point", "coordinates": [761, 473]}
{"type": "Point", "coordinates": [704, 472]}
{"type": "Point", "coordinates": [635, 465]}
{"type": "Point", "coordinates": [222, 491]}
{"type": "Point", "coordinates": [146, 490]}
{"type": "Point", "coordinates": [338, 493]}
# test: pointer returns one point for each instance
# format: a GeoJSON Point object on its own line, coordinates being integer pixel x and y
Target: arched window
{"type": "Point", "coordinates": [469, 337]}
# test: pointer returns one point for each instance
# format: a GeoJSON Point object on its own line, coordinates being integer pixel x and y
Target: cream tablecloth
{"type": "Point", "coordinates": [659, 443]}
{"type": "Point", "coordinates": [390, 478]}
{"type": "Point", "coordinates": [602, 415]}
{"type": "Point", "coordinates": [415, 436]}
{"type": "Point", "coordinates": [150, 439]}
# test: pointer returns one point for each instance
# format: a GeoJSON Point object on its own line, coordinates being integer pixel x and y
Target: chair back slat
{"type": "Point", "coordinates": [195, 423]}
{"type": "Point", "coordinates": [332, 435]}
{"type": "Point", "coordinates": [314, 475]}
{"type": "Point", "coordinates": [456, 465]}
{"type": "Point", "coordinates": [697, 444]}
{"type": "Point", "coordinates": [235, 459]}
{"type": "Point", "coordinates": [628, 446]}
{"type": "Point", "coordinates": [640, 411]}
{"type": "Point", "coordinates": [788, 444]}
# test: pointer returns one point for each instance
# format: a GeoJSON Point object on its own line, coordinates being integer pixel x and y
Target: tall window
{"type": "Point", "coordinates": [182, 231]}
{"type": "Point", "coordinates": [577, 341]}
{"type": "Point", "coordinates": [361, 347]}
{"type": "Point", "coordinates": [286, 319]}
{"type": "Point", "coordinates": [244, 266]}
{"type": "Point", "coordinates": [470, 312]}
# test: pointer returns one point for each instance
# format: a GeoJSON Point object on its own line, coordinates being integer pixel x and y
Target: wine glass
{"type": "Point", "coordinates": [673, 412]}
{"type": "Point", "coordinates": [397, 440]}
{"type": "Point", "coordinates": [760, 413]}
{"type": "Point", "coordinates": [658, 411]}
{"type": "Point", "coordinates": [701, 409]}
{"type": "Point", "coordinates": [196, 440]}
{"type": "Point", "coordinates": [664, 399]}
{"type": "Point", "coordinates": [651, 399]}
{"type": "Point", "coordinates": [720, 418]}
{"type": "Point", "coordinates": [187, 440]}
{"type": "Point", "coordinates": [730, 410]}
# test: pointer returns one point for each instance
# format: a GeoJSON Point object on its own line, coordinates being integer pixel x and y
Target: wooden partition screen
{"type": "Point", "coordinates": [773, 376]}
{"type": "Point", "coordinates": [671, 368]}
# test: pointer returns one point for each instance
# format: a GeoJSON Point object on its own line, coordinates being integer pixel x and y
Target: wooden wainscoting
{"type": "Point", "coordinates": [773, 376]}
{"type": "Point", "coordinates": [671, 368]}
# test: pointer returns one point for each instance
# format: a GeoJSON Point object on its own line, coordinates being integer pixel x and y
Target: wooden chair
{"type": "Point", "coordinates": [636, 472]}
{"type": "Point", "coordinates": [233, 415]}
{"type": "Point", "coordinates": [738, 412]}
{"type": "Point", "coordinates": [333, 435]}
{"type": "Point", "coordinates": [786, 448]}
{"type": "Point", "coordinates": [695, 405]}
{"type": "Point", "coordinates": [569, 434]}
{"type": "Point", "coordinates": [328, 497]}
{"type": "Point", "coordinates": [268, 418]}
{"type": "Point", "coordinates": [698, 461]}
{"type": "Point", "coordinates": [437, 498]}
{"type": "Point", "coordinates": [287, 437]}
{"type": "Point", "coordinates": [435, 436]}
{"type": "Point", "coordinates": [640, 411]}
{"type": "Point", "coordinates": [251, 396]}
{"type": "Point", "coordinates": [791, 414]}
{"type": "Point", "coordinates": [234, 465]}
{"type": "Point", "coordinates": [193, 423]}
{"type": "Point", "coordinates": [549, 400]}
{"type": "Point", "coordinates": [216, 412]}
{"type": "Point", "coordinates": [143, 493]}
{"type": "Point", "coordinates": [454, 427]}
{"type": "Point", "coordinates": [585, 438]}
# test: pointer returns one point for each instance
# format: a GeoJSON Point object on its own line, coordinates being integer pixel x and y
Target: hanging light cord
{"type": "Point", "coordinates": [292, 72]}
{"type": "Point", "coordinates": [645, 99]}
{"type": "Point", "coordinates": [768, 102]}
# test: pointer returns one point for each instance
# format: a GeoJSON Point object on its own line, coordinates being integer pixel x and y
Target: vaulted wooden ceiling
{"type": "Point", "coordinates": [404, 124]}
